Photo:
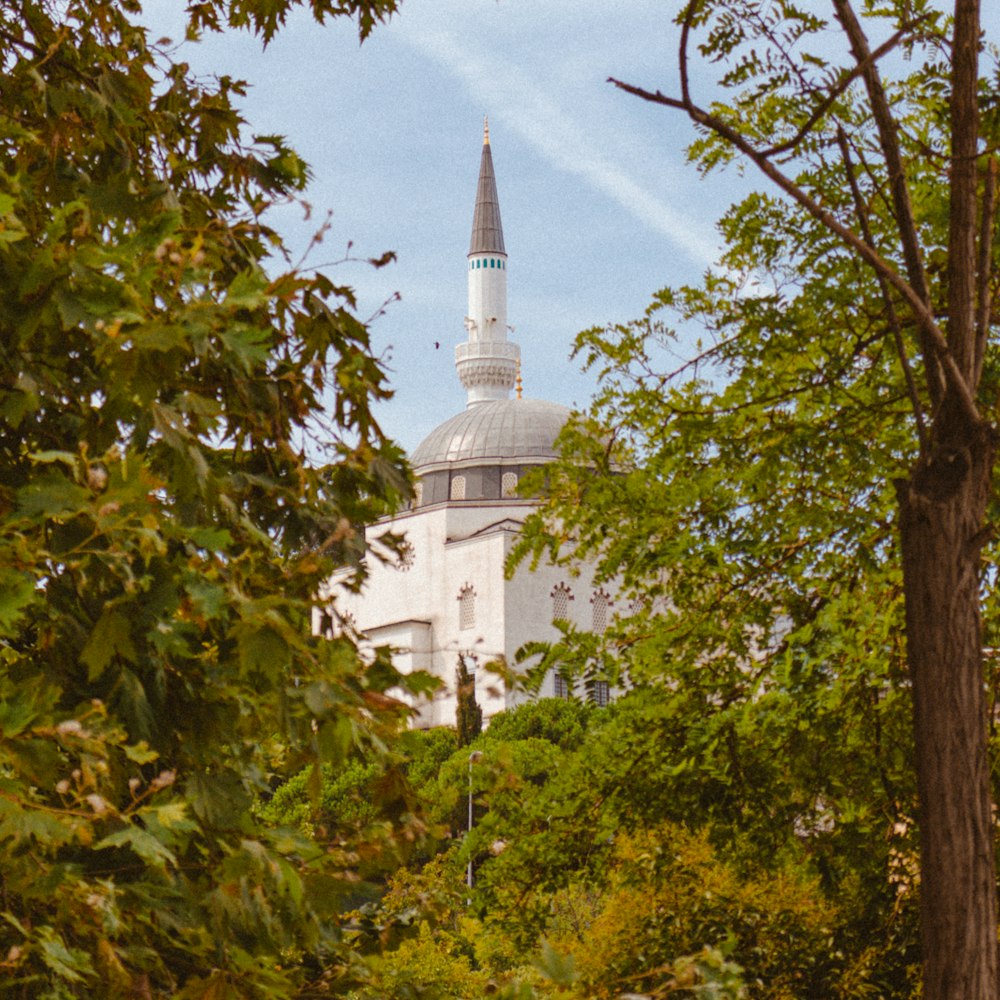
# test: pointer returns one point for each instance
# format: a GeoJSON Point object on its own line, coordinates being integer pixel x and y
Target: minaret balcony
{"type": "Point", "coordinates": [487, 349]}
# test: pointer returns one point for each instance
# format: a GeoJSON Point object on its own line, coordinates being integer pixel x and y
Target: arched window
{"type": "Point", "coordinates": [418, 494]}
{"type": "Point", "coordinates": [458, 488]}
{"type": "Point", "coordinates": [466, 607]}
{"type": "Point", "coordinates": [508, 484]}
{"type": "Point", "coordinates": [561, 686]}
{"type": "Point", "coordinates": [406, 557]}
{"type": "Point", "coordinates": [561, 596]}
{"type": "Point", "coordinates": [600, 605]}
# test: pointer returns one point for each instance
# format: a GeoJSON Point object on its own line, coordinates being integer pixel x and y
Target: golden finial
{"type": "Point", "coordinates": [486, 130]}
{"type": "Point", "coordinates": [517, 381]}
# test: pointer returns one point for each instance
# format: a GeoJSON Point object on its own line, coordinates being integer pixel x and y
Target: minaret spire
{"type": "Point", "coordinates": [487, 232]}
{"type": "Point", "coordinates": [487, 362]}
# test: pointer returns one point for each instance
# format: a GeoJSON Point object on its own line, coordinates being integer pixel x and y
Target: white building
{"type": "Point", "coordinates": [449, 595]}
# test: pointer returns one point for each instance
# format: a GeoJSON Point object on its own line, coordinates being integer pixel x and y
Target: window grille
{"type": "Point", "coordinates": [418, 494]}
{"type": "Point", "coordinates": [508, 484]}
{"type": "Point", "coordinates": [466, 607]}
{"type": "Point", "coordinates": [600, 603]}
{"type": "Point", "coordinates": [561, 597]}
{"type": "Point", "coordinates": [406, 556]}
{"type": "Point", "coordinates": [561, 686]}
{"type": "Point", "coordinates": [602, 693]}
{"type": "Point", "coordinates": [458, 488]}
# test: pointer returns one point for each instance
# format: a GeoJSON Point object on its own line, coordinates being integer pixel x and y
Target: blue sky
{"type": "Point", "coordinates": [600, 208]}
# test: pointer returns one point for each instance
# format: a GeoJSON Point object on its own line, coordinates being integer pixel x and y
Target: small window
{"type": "Point", "coordinates": [600, 603]}
{"type": "Point", "coordinates": [601, 694]}
{"type": "Point", "coordinates": [561, 686]}
{"type": "Point", "coordinates": [407, 556]}
{"type": "Point", "coordinates": [466, 607]}
{"type": "Point", "coordinates": [458, 488]}
{"type": "Point", "coordinates": [508, 484]}
{"type": "Point", "coordinates": [492, 262]}
{"type": "Point", "coordinates": [561, 597]}
{"type": "Point", "coordinates": [418, 494]}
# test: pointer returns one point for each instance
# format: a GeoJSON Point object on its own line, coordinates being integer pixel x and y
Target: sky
{"type": "Point", "coordinates": [600, 207]}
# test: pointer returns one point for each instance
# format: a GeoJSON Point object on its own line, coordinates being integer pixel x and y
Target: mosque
{"type": "Point", "coordinates": [447, 596]}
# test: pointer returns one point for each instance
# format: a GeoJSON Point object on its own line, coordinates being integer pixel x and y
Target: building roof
{"type": "Point", "coordinates": [504, 431]}
{"type": "Point", "coordinates": [487, 232]}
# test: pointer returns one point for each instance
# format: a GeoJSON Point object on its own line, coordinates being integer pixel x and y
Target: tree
{"type": "Point", "coordinates": [616, 841]}
{"type": "Point", "coordinates": [186, 448]}
{"type": "Point", "coordinates": [841, 409]}
{"type": "Point", "coordinates": [468, 713]}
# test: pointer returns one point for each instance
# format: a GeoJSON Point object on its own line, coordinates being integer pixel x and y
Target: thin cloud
{"type": "Point", "coordinates": [529, 112]}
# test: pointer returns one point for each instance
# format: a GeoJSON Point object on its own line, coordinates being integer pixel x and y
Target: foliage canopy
{"type": "Point", "coordinates": [837, 411]}
{"type": "Point", "coordinates": [186, 447]}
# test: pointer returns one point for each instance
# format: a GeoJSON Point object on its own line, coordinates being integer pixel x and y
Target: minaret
{"type": "Point", "coordinates": [487, 362]}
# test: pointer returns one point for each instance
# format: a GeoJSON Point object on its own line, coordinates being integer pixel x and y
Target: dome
{"type": "Point", "coordinates": [502, 431]}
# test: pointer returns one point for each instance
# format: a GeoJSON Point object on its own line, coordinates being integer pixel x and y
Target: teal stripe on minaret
{"type": "Point", "coordinates": [487, 232]}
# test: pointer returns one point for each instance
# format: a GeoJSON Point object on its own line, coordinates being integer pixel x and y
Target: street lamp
{"type": "Point", "coordinates": [473, 757]}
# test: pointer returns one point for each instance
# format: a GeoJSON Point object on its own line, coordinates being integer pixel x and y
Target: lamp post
{"type": "Point", "coordinates": [473, 757]}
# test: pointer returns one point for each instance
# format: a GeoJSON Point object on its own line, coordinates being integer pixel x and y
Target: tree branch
{"type": "Point", "coordinates": [839, 88]}
{"type": "Point", "coordinates": [890, 307]}
{"type": "Point", "coordinates": [920, 308]}
{"type": "Point", "coordinates": [902, 209]}
{"type": "Point", "coordinates": [963, 183]}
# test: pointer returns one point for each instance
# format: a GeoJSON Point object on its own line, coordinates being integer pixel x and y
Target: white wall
{"type": "Point", "coordinates": [416, 610]}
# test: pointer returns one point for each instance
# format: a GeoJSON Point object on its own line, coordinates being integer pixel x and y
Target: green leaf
{"type": "Point", "coordinates": [145, 845]}
{"type": "Point", "coordinates": [51, 494]}
{"type": "Point", "coordinates": [110, 637]}
{"type": "Point", "coordinates": [262, 650]}
{"type": "Point", "coordinates": [250, 346]}
{"type": "Point", "coordinates": [555, 966]}
{"type": "Point", "coordinates": [23, 704]}
{"type": "Point", "coordinates": [140, 753]}
{"type": "Point", "coordinates": [17, 591]}
{"type": "Point", "coordinates": [172, 815]}
{"type": "Point", "coordinates": [246, 291]}
{"type": "Point", "coordinates": [71, 964]}
{"type": "Point", "coordinates": [24, 823]}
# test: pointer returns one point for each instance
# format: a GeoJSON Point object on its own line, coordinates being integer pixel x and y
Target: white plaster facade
{"type": "Point", "coordinates": [416, 608]}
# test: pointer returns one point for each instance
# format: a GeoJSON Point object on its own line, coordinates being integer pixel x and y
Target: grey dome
{"type": "Point", "coordinates": [502, 431]}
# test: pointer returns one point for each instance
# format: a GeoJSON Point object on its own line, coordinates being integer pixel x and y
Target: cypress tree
{"type": "Point", "coordinates": [468, 714]}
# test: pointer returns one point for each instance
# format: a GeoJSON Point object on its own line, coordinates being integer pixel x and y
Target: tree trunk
{"type": "Point", "coordinates": [942, 514]}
